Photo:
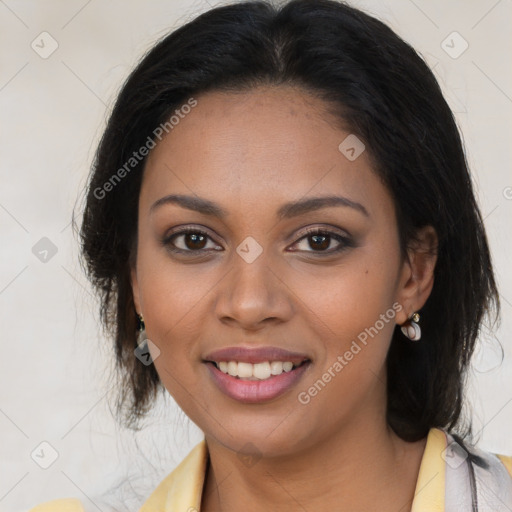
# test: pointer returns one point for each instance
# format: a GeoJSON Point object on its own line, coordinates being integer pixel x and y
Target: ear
{"type": "Point", "coordinates": [135, 289]}
{"type": "Point", "coordinates": [417, 276]}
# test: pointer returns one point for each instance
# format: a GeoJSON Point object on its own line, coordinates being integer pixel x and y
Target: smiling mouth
{"type": "Point", "coordinates": [256, 372]}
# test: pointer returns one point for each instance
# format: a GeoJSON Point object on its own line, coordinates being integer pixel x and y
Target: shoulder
{"type": "Point", "coordinates": [182, 488]}
{"type": "Point", "coordinates": [477, 476]}
{"type": "Point", "coordinates": [507, 462]}
{"type": "Point", "coordinates": [496, 462]}
{"type": "Point", "coordinates": [63, 505]}
{"type": "Point", "coordinates": [448, 481]}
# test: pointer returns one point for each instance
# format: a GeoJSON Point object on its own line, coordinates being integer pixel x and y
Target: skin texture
{"type": "Point", "coordinates": [251, 152]}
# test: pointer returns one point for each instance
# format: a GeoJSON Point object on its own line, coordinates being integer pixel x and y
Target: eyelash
{"type": "Point", "coordinates": [344, 241]}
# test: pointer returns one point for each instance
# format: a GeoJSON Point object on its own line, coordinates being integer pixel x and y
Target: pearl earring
{"type": "Point", "coordinates": [411, 329]}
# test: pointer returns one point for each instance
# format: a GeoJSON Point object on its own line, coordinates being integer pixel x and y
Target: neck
{"type": "Point", "coordinates": [360, 466]}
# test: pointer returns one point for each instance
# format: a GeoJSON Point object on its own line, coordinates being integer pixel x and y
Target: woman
{"type": "Point", "coordinates": [282, 227]}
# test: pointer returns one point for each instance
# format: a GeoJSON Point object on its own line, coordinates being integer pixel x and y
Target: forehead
{"type": "Point", "coordinates": [266, 144]}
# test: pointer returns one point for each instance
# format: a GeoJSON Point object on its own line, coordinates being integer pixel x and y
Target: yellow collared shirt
{"type": "Point", "coordinates": [181, 490]}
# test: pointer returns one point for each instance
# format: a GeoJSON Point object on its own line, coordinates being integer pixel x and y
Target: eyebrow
{"type": "Point", "coordinates": [286, 211]}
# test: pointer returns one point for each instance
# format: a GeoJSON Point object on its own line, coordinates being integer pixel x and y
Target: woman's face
{"type": "Point", "coordinates": [257, 280]}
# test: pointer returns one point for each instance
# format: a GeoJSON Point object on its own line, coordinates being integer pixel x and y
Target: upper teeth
{"type": "Point", "coordinates": [258, 371]}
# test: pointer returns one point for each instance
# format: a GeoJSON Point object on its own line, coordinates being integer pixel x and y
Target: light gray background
{"type": "Point", "coordinates": [55, 360]}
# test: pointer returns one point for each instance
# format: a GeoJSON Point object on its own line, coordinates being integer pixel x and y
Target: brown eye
{"type": "Point", "coordinates": [194, 241]}
{"type": "Point", "coordinates": [189, 240]}
{"type": "Point", "coordinates": [322, 241]}
{"type": "Point", "coordinates": [319, 242]}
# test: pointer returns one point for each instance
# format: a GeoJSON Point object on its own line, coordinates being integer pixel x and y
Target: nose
{"type": "Point", "coordinates": [253, 295]}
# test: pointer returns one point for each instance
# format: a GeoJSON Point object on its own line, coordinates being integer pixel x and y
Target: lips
{"type": "Point", "coordinates": [256, 391]}
{"type": "Point", "coordinates": [255, 355]}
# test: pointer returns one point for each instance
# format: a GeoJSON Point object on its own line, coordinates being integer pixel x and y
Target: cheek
{"type": "Point", "coordinates": [357, 319]}
{"type": "Point", "coordinates": [173, 298]}
{"type": "Point", "coordinates": [357, 322]}
{"type": "Point", "coordinates": [351, 296]}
